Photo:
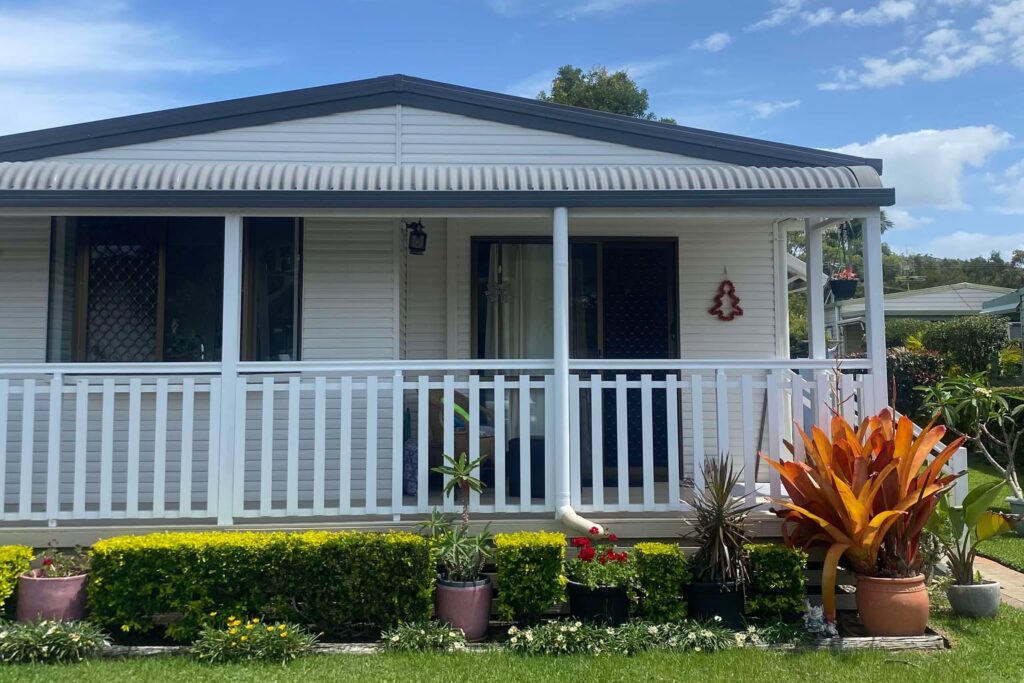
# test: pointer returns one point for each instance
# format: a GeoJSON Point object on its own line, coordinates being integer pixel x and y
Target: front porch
{"type": "Point", "coordinates": [347, 436]}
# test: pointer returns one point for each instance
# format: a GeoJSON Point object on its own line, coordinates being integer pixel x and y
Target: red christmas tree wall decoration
{"type": "Point", "coordinates": [726, 290]}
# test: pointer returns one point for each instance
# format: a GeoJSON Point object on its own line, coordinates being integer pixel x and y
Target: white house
{"type": "Point", "coordinates": [944, 302]}
{"type": "Point", "coordinates": [211, 316]}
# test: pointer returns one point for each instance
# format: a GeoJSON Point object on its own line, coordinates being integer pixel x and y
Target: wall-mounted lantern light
{"type": "Point", "coordinates": [417, 238]}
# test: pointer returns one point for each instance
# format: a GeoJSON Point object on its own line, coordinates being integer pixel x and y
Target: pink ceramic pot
{"type": "Point", "coordinates": [465, 605]}
{"type": "Point", "coordinates": [42, 598]}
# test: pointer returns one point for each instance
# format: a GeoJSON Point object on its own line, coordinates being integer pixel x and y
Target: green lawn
{"type": "Point", "coordinates": [983, 651]}
{"type": "Point", "coordinates": [1008, 549]}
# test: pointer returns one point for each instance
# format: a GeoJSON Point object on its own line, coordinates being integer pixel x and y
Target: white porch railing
{"type": "Point", "coordinates": [358, 439]}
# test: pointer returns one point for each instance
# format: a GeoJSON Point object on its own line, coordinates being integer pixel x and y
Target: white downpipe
{"type": "Point", "coordinates": [564, 511]}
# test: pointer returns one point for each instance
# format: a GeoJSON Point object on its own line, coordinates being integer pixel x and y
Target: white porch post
{"type": "Point", "coordinates": [816, 347]}
{"type": "Point", "coordinates": [560, 242]}
{"type": "Point", "coordinates": [230, 353]}
{"type": "Point", "coordinates": [874, 309]}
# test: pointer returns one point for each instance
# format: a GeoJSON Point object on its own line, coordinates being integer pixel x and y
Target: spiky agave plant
{"type": "Point", "coordinates": [719, 526]}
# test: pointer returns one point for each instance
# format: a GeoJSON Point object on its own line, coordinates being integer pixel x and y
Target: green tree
{"type": "Point", "coordinates": [597, 89]}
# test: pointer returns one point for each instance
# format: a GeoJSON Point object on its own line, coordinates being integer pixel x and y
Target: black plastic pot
{"type": "Point", "coordinates": [843, 289]}
{"type": "Point", "coordinates": [604, 605]}
{"type": "Point", "coordinates": [709, 600]}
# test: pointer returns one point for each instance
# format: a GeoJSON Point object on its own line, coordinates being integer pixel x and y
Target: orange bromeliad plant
{"type": "Point", "coordinates": [865, 493]}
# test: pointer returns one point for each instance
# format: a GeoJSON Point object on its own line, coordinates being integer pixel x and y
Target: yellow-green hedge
{"type": "Point", "coordinates": [661, 571]}
{"type": "Point", "coordinates": [530, 579]}
{"type": "Point", "coordinates": [14, 561]}
{"type": "Point", "coordinates": [335, 582]}
{"type": "Point", "coordinates": [778, 586]}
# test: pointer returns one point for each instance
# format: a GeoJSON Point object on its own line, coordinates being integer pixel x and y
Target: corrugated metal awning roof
{"type": "Point", "coordinates": [39, 176]}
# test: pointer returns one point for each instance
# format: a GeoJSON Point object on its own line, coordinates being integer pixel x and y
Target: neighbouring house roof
{"type": "Point", "coordinates": [424, 94]}
{"type": "Point", "coordinates": [1007, 303]}
{"type": "Point", "coordinates": [963, 298]}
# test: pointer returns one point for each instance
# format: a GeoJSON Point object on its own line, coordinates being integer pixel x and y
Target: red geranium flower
{"type": "Point", "coordinates": [47, 562]}
{"type": "Point", "coordinates": [594, 531]}
{"type": "Point", "coordinates": [586, 553]}
{"type": "Point", "coordinates": [612, 537]}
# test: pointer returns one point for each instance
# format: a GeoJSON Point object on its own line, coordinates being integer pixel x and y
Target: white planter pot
{"type": "Point", "coordinates": [976, 601]}
{"type": "Point", "coordinates": [1017, 508]}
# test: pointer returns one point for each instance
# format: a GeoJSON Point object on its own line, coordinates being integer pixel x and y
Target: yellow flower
{"type": "Point", "coordinates": [213, 614]}
{"type": "Point", "coordinates": [284, 634]}
{"type": "Point", "coordinates": [255, 621]}
{"type": "Point", "coordinates": [280, 627]}
{"type": "Point", "coordinates": [248, 627]}
{"type": "Point", "coordinates": [232, 631]}
{"type": "Point", "coordinates": [270, 629]}
{"type": "Point", "coordinates": [244, 638]}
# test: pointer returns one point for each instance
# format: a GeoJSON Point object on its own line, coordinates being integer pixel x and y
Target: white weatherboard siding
{"type": "Point", "coordinates": [419, 136]}
{"type": "Point", "coordinates": [24, 283]}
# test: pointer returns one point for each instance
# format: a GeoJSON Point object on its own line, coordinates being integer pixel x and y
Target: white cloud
{"type": "Point", "coordinates": [783, 11]}
{"type": "Point", "coordinates": [74, 62]}
{"type": "Point", "coordinates": [964, 243]}
{"type": "Point", "coordinates": [904, 220]}
{"type": "Point", "coordinates": [712, 43]}
{"type": "Point", "coordinates": [100, 38]}
{"type": "Point", "coordinates": [763, 110]}
{"type": "Point", "coordinates": [997, 37]}
{"type": "Point", "coordinates": [885, 12]}
{"type": "Point", "coordinates": [1012, 188]}
{"type": "Point", "coordinates": [927, 166]}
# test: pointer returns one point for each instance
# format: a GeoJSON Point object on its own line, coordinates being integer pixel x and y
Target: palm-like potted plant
{"type": "Point", "coordinates": [867, 495]}
{"type": "Point", "coordinates": [601, 581]}
{"type": "Point", "coordinates": [960, 528]}
{"type": "Point", "coordinates": [720, 565]}
{"type": "Point", "coordinates": [55, 590]}
{"type": "Point", "coordinates": [463, 594]}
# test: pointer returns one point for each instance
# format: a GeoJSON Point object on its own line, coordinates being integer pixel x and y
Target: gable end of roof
{"type": "Point", "coordinates": [415, 92]}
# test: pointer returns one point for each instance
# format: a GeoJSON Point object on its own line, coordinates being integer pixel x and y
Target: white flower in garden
{"type": "Point", "coordinates": [718, 618]}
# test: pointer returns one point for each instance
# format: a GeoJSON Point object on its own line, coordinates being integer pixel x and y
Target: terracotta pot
{"type": "Point", "coordinates": [607, 605]}
{"type": "Point", "coordinates": [465, 605]}
{"type": "Point", "coordinates": [892, 607]}
{"type": "Point", "coordinates": [42, 598]}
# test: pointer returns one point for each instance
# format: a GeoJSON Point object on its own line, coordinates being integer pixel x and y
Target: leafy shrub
{"type": "Point", "coordinates": [337, 582]}
{"type": "Point", "coordinates": [777, 582]}
{"type": "Point", "coordinates": [569, 637]}
{"type": "Point", "coordinates": [50, 642]}
{"type": "Point", "coordinates": [662, 571]}
{"type": "Point", "coordinates": [423, 636]}
{"type": "Point", "coordinates": [252, 641]}
{"type": "Point", "coordinates": [15, 560]}
{"type": "Point", "coordinates": [530, 579]}
{"type": "Point", "coordinates": [971, 343]}
{"type": "Point", "coordinates": [1010, 360]}
{"type": "Point", "coordinates": [899, 331]}
{"type": "Point", "coordinates": [910, 369]}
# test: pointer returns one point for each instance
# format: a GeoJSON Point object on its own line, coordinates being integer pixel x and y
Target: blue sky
{"type": "Point", "coordinates": [936, 87]}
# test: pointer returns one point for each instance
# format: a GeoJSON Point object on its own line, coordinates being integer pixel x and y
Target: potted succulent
{"type": "Point", "coordinates": [867, 494]}
{"type": "Point", "coordinates": [463, 592]}
{"type": "Point", "coordinates": [844, 283]}
{"type": "Point", "coordinates": [600, 581]}
{"type": "Point", "coordinates": [55, 590]}
{"type": "Point", "coordinates": [720, 565]}
{"type": "Point", "coordinates": [960, 528]}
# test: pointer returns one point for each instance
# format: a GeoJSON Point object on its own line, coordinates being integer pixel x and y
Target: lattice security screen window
{"type": "Point", "coordinates": [134, 289]}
